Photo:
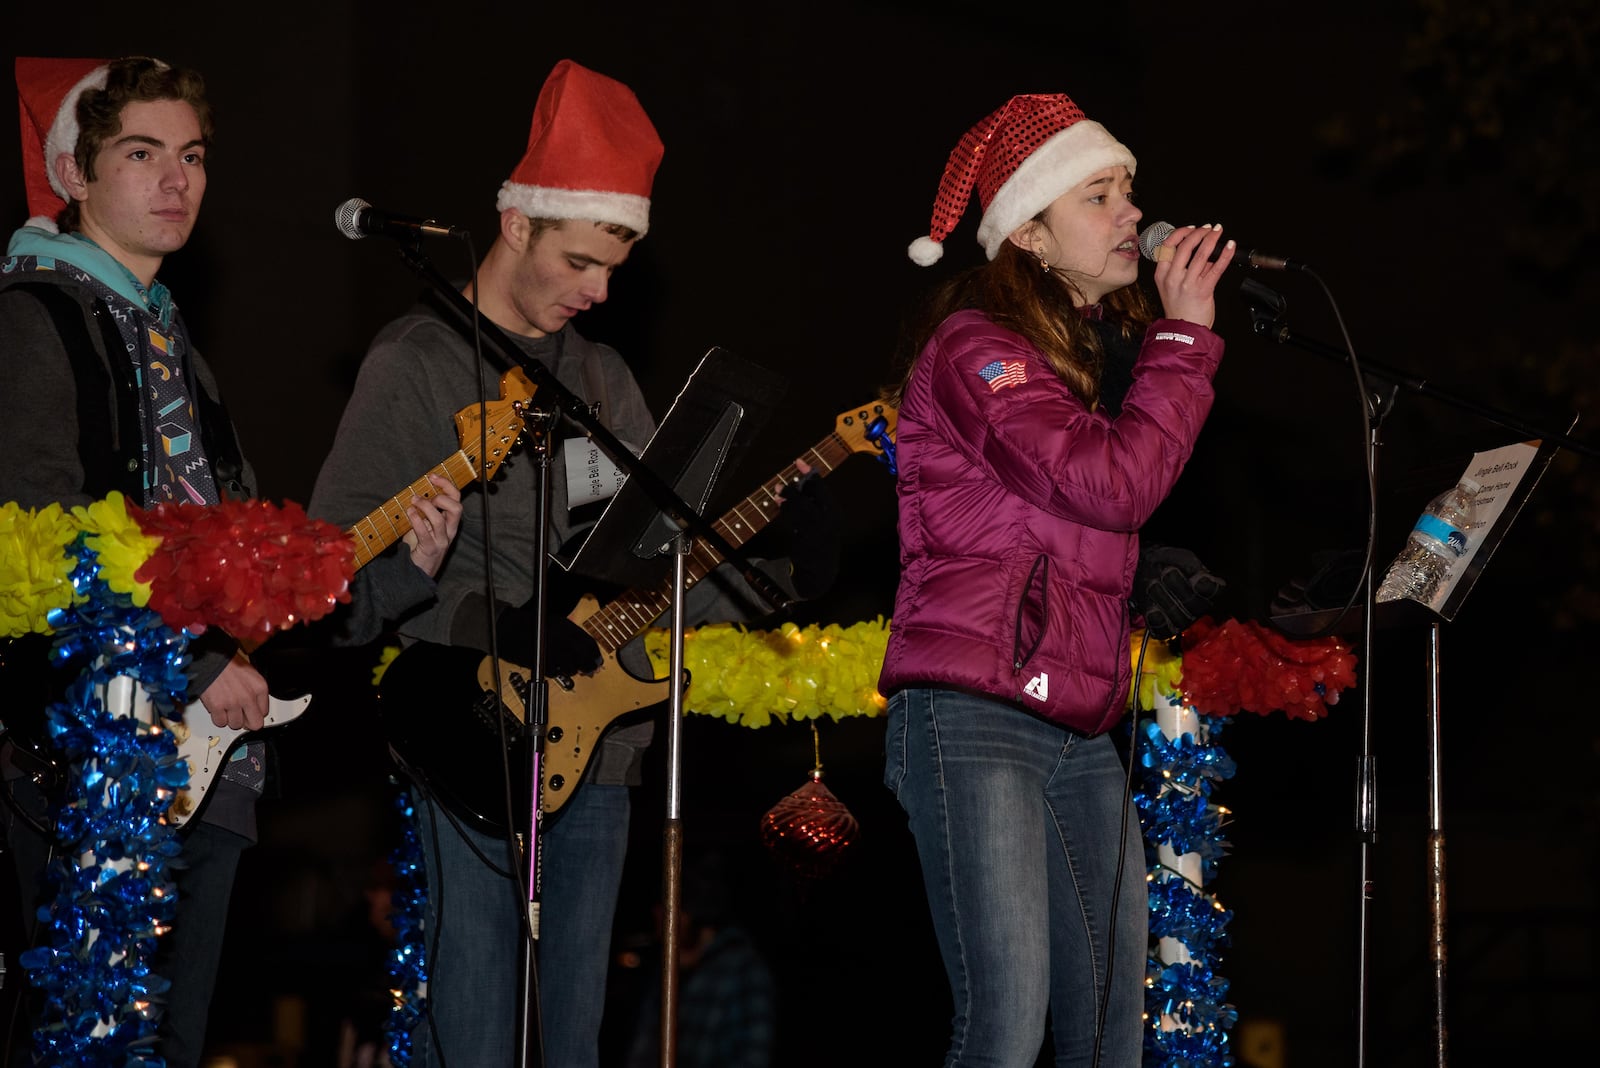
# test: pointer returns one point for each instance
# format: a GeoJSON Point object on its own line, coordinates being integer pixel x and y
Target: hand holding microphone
{"type": "Point", "coordinates": [1152, 246]}
{"type": "Point", "coordinates": [1187, 276]}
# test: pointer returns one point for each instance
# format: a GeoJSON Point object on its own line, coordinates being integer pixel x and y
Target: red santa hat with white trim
{"type": "Point", "coordinates": [47, 100]}
{"type": "Point", "coordinates": [592, 153]}
{"type": "Point", "coordinates": [1021, 157]}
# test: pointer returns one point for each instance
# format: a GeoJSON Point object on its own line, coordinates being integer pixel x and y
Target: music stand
{"type": "Point", "coordinates": [721, 383]}
{"type": "Point", "coordinates": [1507, 477]}
{"type": "Point", "coordinates": [723, 404]}
{"type": "Point", "coordinates": [1268, 311]}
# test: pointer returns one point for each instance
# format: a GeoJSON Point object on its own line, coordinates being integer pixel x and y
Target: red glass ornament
{"type": "Point", "coordinates": [809, 830]}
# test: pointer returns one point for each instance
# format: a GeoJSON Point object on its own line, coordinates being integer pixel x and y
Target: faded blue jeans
{"type": "Point", "coordinates": [1019, 825]}
{"type": "Point", "coordinates": [475, 971]}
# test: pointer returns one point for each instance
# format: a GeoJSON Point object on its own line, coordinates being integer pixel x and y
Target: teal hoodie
{"type": "Point", "coordinates": [77, 250]}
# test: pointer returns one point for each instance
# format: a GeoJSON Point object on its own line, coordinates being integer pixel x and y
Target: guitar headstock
{"type": "Point", "coordinates": [870, 429]}
{"type": "Point", "coordinates": [499, 422]}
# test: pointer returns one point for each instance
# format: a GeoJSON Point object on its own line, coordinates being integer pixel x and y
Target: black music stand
{"type": "Point", "coordinates": [1269, 316]}
{"type": "Point", "coordinates": [1507, 477]}
{"type": "Point", "coordinates": [721, 385]}
{"type": "Point", "coordinates": [724, 403]}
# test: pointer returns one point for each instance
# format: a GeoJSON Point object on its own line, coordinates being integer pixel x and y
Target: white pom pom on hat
{"type": "Point", "coordinates": [925, 251]}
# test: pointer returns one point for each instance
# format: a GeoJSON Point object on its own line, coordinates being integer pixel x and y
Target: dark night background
{"type": "Point", "coordinates": [1435, 162]}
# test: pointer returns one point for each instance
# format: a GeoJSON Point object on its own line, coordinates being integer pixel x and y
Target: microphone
{"type": "Point", "coordinates": [1151, 248]}
{"type": "Point", "coordinates": [356, 219]}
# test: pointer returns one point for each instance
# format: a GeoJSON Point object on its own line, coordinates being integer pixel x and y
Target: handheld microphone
{"type": "Point", "coordinates": [356, 219]}
{"type": "Point", "coordinates": [1152, 249]}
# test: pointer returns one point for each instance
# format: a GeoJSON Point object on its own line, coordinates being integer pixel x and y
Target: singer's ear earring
{"type": "Point", "coordinates": [1042, 261]}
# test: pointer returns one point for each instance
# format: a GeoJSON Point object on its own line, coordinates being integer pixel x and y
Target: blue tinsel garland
{"type": "Point", "coordinates": [1174, 803]}
{"type": "Point", "coordinates": [101, 1001]}
{"type": "Point", "coordinates": [408, 963]}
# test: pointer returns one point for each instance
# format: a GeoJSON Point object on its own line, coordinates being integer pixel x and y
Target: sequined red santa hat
{"type": "Point", "coordinates": [47, 100]}
{"type": "Point", "coordinates": [592, 153]}
{"type": "Point", "coordinates": [1021, 157]}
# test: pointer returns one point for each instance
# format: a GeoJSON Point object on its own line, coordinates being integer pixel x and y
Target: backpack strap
{"type": "Point", "coordinates": [108, 441]}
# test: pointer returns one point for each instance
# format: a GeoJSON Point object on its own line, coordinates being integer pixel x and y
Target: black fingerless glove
{"type": "Point", "coordinates": [813, 524]}
{"type": "Point", "coordinates": [568, 648]}
{"type": "Point", "coordinates": [1172, 589]}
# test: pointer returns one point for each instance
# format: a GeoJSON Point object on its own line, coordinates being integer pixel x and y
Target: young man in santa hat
{"type": "Point", "coordinates": [104, 391]}
{"type": "Point", "coordinates": [570, 215]}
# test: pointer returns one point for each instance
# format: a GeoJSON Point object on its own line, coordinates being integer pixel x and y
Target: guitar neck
{"type": "Point", "coordinates": [625, 617]}
{"type": "Point", "coordinates": [388, 523]}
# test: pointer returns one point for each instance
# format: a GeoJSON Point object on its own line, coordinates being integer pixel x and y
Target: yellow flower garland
{"type": "Point", "coordinates": [794, 673]}
{"type": "Point", "coordinates": [122, 546]}
{"type": "Point", "coordinates": [36, 564]}
{"type": "Point", "coordinates": [35, 568]}
{"type": "Point", "coordinates": [1161, 672]}
{"type": "Point", "coordinates": [753, 677]}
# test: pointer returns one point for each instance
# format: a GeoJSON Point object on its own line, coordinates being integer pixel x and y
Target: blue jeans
{"type": "Point", "coordinates": [1018, 824]}
{"type": "Point", "coordinates": [475, 970]}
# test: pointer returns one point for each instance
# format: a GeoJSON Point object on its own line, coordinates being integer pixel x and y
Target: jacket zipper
{"type": "Point", "coordinates": [1019, 660]}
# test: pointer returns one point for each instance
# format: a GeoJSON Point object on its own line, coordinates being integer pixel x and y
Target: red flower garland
{"type": "Point", "coordinates": [1249, 667]}
{"type": "Point", "coordinates": [247, 567]}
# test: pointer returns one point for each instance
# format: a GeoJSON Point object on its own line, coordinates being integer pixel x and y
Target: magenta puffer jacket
{"type": "Point", "coordinates": [1020, 511]}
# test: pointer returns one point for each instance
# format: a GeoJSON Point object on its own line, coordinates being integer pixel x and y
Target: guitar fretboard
{"type": "Point", "coordinates": [623, 618]}
{"type": "Point", "coordinates": [489, 430]}
{"type": "Point", "coordinates": [388, 523]}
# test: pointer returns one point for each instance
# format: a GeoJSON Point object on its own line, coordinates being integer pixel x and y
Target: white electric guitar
{"type": "Point", "coordinates": [494, 428]}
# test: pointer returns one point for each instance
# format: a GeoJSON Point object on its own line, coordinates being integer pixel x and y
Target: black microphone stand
{"type": "Point", "coordinates": [540, 424]}
{"type": "Point", "coordinates": [1267, 310]}
{"type": "Point", "coordinates": [552, 394]}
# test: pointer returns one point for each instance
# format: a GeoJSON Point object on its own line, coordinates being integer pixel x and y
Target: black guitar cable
{"type": "Point", "coordinates": [1122, 854]}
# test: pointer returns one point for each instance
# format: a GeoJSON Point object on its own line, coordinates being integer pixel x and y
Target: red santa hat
{"type": "Point", "coordinates": [1021, 157]}
{"type": "Point", "coordinates": [592, 153]}
{"type": "Point", "coordinates": [47, 99]}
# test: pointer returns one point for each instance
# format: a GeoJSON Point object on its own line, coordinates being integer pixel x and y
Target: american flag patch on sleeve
{"type": "Point", "coordinates": [1002, 374]}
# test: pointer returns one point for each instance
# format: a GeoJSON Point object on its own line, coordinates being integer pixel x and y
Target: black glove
{"type": "Point", "coordinates": [568, 649]}
{"type": "Point", "coordinates": [1172, 589]}
{"type": "Point", "coordinates": [813, 522]}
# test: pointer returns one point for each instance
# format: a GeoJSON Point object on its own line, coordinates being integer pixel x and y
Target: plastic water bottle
{"type": "Point", "coordinates": [1437, 541]}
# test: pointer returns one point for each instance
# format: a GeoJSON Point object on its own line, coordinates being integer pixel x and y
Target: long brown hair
{"type": "Point", "coordinates": [1018, 294]}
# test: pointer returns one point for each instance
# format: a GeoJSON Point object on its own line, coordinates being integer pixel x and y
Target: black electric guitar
{"type": "Point", "coordinates": [207, 746]}
{"type": "Point", "coordinates": [462, 763]}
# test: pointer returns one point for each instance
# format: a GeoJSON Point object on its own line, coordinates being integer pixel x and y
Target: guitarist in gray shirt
{"type": "Point", "coordinates": [569, 216]}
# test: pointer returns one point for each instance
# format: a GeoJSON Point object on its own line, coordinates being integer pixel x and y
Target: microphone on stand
{"type": "Point", "coordinates": [356, 219]}
{"type": "Point", "coordinates": [1151, 247]}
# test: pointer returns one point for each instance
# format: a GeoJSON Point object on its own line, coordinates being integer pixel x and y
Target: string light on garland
{"type": "Point", "coordinates": [754, 678]}
{"type": "Point", "coordinates": [119, 590]}
{"type": "Point", "coordinates": [1222, 670]}
{"type": "Point", "coordinates": [408, 963]}
{"type": "Point", "coordinates": [1186, 1012]}
{"type": "Point", "coordinates": [112, 893]}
